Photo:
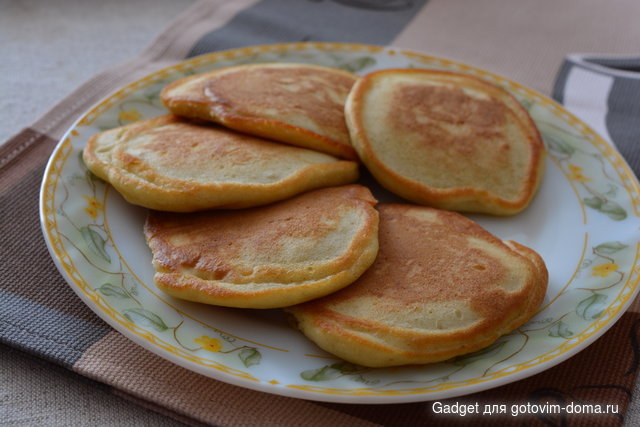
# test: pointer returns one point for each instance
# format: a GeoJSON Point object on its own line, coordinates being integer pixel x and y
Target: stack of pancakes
{"type": "Point", "coordinates": [250, 182]}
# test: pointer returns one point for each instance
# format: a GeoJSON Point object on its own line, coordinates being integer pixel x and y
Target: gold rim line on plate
{"type": "Point", "coordinates": [620, 166]}
{"type": "Point", "coordinates": [612, 156]}
{"type": "Point", "coordinates": [573, 187]}
{"type": "Point", "coordinates": [569, 344]}
{"type": "Point", "coordinates": [571, 279]}
{"type": "Point", "coordinates": [60, 157]}
{"type": "Point", "coordinates": [622, 169]}
{"type": "Point", "coordinates": [164, 301]}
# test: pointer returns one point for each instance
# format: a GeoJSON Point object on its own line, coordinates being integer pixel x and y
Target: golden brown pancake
{"type": "Point", "coordinates": [447, 140]}
{"type": "Point", "coordinates": [298, 104]}
{"type": "Point", "coordinates": [266, 257]}
{"type": "Point", "coordinates": [440, 287]}
{"type": "Point", "coordinates": [171, 164]}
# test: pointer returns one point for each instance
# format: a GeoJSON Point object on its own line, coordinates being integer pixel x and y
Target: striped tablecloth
{"type": "Point", "coordinates": [576, 51]}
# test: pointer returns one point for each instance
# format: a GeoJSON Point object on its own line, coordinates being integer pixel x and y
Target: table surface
{"type": "Point", "coordinates": [48, 49]}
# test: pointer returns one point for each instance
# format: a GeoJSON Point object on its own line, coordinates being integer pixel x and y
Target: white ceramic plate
{"type": "Point", "coordinates": [584, 222]}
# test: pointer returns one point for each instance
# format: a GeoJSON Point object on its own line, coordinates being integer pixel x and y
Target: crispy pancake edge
{"type": "Point", "coordinates": [189, 197]}
{"type": "Point", "coordinates": [338, 334]}
{"type": "Point", "coordinates": [464, 199]}
{"type": "Point", "coordinates": [267, 128]}
{"type": "Point", "coordinates": [347, 267]}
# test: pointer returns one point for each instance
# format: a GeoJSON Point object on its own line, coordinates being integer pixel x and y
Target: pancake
{"type": "Point", "coordinates": [441, 286]}
{"type": "Point", "coordinates": [266, 257]}
{"type": "Point", "coordinates": [171, 164]}
{"type": "Point", "coordinates": [446, 140]}
{"type": "Point", "coordinates": [298, 104]}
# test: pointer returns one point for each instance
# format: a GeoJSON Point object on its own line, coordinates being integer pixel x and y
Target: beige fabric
{"type": "Point", "coordinates": [124, 365]}
{"type": "Point", "coordinates": [29, 383]}
{"type": "Point", "coordinates": [171, 46]}
{"type": "Point", "coordinates": [526, 43]}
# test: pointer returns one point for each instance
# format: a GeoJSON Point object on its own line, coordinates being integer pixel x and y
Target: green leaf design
{"type": "Point", "coordinates": [110, 290]}
{"type": "Point", "coordinates": [612, 191]}
{"type": "Point", "coordinates": [558, 145]}
{"type": "Point", "coordinates": [345, 367]}
{"type": "Point", "coordinates": [95, 242]}
{"type": "Point", "coordinates": [608, 207]}
{"type": "Point", "coordinates": [592, 307]}
{"type": "Point", "coordinates": [594, 202]}
{"type": "Point", "coordinates": [609, 248]}
{"type": "Point", "coordinates": [329, 372]}
{"type": "Point", "coordinates": [325, 373]}
{"type": "Point", "coordinates": [250, 356]}
{"type": "Point", "coordinates": [527, 104]}
{"type": "Point", "coordinates": [358, 64]}
{"type": "Point", "coordinates": [560, 329]}
{"type": "Point", "coordinates": [144, 317]}
{"type": "Point", "coordinates": [75, 178]}
{"type": "Point", "coordinates": [92, 178]}
{"type": "Point", "coordinates": [487, 352]}
{"type": "Point", "coordinates": [133, 290]}
{"type": "Point", "coordinates": [614, 211]}
{"type": "Point", "coordinates": [81, 159]}
{"type": "Point", "coordinates": [152, 96]}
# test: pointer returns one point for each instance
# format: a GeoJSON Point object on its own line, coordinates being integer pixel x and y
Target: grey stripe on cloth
{"type": "Point", "coordinates": [277, 21]}
{"type": "Point", "coordinates": [623, 118]}
{"type": "Point", "coordinates": [39, 313]}
{"type": "Point", "coordinates": [617, 65]}
{"type": "Point", "coordinates": [561, 81]}
{"type": "Point", "coordinates": [38, 393]}
{"type": "Point", "coordinates": [46, 332]}
{"type": "Point", "coordinates": [622, 100]}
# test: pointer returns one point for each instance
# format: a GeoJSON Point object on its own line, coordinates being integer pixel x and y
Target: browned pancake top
{"type": "Point", "coordinates": [447, 140]}
{"type": "Point", "coordinates": [431, 256]}
{"type": "Point", "coordinates": [282, 92]}
{"type": "Point", "coordinates": [182, 144]}
{"type": "Point", "coordinates": [256, 244]}
{"type": "Point", "coordinates": [440, 286]}
{"type": "Point", "coordinates": [431, 111]}
{"type": "Point", "coordinates": [453, 125]}
{"type": "Point", "coordinates": [168, 147]}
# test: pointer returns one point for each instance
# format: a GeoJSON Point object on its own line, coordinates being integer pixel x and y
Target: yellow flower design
{"type": "Point", "coordinates": [603, 270]}
{"type": "Point", "coordinates": [129, 115]}
{"type": "Point", "coordinates": [576, 174]}
{"type": "Point", "coordinates": [208, 343]}
{"type": "Point", "coordinates": [93, 206]}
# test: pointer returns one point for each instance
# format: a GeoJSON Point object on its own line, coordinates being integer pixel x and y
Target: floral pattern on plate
{"type": "Point", "coordinates": [584, 222]}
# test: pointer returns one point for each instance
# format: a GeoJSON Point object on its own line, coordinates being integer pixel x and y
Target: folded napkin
{"type": "Point", "coordinates": [604, 91]}
{"type": "Point", "coordinates": [41, 315]}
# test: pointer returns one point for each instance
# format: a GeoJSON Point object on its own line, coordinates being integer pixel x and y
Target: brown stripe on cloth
{"type": "Point", "coordinates": [190, 397]}
{"type": "Point", "coordinates": [30, 273]}
{"type": "Point", "coordinates": [27, 269]}
{"type": "Point", "coordinates": [635, 306]}
{"type": "Point", "coordinates": [119, 362]}
{"type": "Point", "coordinates": [159, 409]}
{"type": "Point", "coordinates": [573, 381]}
{"type": "Point", "coordinates": [603, 374]}
{"type": "Point", "coordinates": [23, 153]}
{"type": "Point", "coordinates": [39, 313]}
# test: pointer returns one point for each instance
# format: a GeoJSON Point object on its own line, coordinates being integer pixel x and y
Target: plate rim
{"type": "Point", "coordinates": [128, 329]}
